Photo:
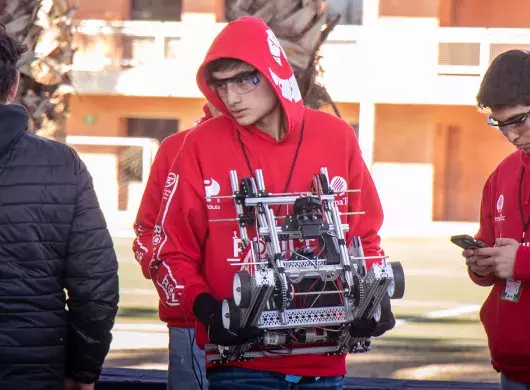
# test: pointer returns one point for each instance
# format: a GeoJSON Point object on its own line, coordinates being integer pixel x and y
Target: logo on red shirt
{"type": "Point", "coordinates": [500, 205]}
{"type": "Point", "coordinates": [339, 185]}
{"type": "Point", "coordinates": [212, 188]}
{"type": "Point", "coordinates": [171, 179]}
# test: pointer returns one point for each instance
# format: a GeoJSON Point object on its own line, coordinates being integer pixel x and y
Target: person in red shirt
{"type": "Point", "coordinates": [152, 197]}
{"type": "Point", "coordinates": [265, 126]}
{"type": "Point", "coordinates": [181, 358]}
{"type": "Point", "coordinates": [504, 222]}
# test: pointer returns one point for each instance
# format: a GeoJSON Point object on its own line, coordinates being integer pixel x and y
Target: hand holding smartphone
{"type": "Point", "coordinates": [465, 241]}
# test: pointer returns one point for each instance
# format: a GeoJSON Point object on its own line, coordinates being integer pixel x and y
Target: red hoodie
{"type": "Point", "coordinates": [198, 254]}
{"type": "Point", "coordinates": [150, 205]}
{"type": "Point", "coordinates": [507, 323]}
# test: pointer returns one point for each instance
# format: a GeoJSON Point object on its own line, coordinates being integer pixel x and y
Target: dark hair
{"type": "Point", "coordinates": [223, 64]}
{"type": "Point", "coordinates": [506, 82]}
{"type": "Point", "coordinates": [10, 52]}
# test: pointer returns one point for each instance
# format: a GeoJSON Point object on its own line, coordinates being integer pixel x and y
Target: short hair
{"type": "Point", "coordinates": [506, 82]}
{"type": "Point", "coordinates": [10, 52]}
{"type": "Point", "coordinates": [224, 64]}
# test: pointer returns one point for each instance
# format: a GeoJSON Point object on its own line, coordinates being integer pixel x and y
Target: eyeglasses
{"type": "Point", "coordinates": [510, 125]}
{"type": "Point", "coordinates": [241, 84]}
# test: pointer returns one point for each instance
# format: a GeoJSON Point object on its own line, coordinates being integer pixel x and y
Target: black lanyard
{"type": "Point", "coordinates": [521, 207]}
{"type": "Point", "coordinates": [292, 165]}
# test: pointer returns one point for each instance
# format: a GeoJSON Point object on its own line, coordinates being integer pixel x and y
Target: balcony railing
{"type": "Point", "coordinates": [112, 55]}
{"type": "Point", "coordinates": [404, 62]}
{"type": "Point", "coordinates": [469, 51]}
{"type": "Point", "coordinates": [107, 45]}
{"type": "Point", "coordinates": [113, 45]}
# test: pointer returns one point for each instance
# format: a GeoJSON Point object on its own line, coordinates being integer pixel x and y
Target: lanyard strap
{"type": "Point", "coordinates": [292, 165]}
{"type": "Point", "coordinates": [526, 222]}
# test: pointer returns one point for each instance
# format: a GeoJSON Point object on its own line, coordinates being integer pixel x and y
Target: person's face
{"type": "Point", "coordinates": [513, 123]}
{"type": "Point", "coordinates": [246, 93]}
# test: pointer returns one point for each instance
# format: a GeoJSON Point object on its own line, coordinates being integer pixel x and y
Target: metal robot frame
{"type": "Point", "coordinates": [266, 287]}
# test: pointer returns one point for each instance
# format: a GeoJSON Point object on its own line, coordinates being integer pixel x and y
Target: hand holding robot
{"type": "Point", "coordinates": [320, 300]}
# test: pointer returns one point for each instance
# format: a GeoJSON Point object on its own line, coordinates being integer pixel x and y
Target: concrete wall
{"type": "Point", "coordinates": [215, 7]}
{"type": "Point", "coordinates": [453, 143]}
{"type": "Point", "coordinates": [408, 8]}
{"type": "Point", "coordinates": [484, 13]}
{"type": "Point", "coordinates": [121, 9]}
{"type": "Point", "coordinates": [104, 9]}
{"type": "Point", "coordinates": [109, 113]}
{"type": "Point", "coordinates": [430, 161]}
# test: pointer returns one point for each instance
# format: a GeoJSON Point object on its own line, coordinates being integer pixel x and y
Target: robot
{"type": "Point", "coordinates": [307, 299]}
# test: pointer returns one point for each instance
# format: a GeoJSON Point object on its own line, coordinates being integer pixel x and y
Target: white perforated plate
{"type": "Point", "coordinates": [321, 316]}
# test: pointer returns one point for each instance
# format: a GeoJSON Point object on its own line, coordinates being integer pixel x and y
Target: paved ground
{"type": "Point", "coordinates": [438, 336]}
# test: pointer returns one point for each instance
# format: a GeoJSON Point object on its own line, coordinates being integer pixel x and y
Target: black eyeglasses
{"type": "Point", "coordinates": [511, 124]}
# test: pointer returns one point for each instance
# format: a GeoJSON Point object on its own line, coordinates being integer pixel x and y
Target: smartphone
{"type": "Point", "coordinates": [465, 241]}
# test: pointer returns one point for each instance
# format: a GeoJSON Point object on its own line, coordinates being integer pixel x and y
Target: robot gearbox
{"type": "Point", "coordinates": [306, 300]}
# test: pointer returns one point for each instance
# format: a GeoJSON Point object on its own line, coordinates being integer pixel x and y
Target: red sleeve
{"type": "Point", "coordinates": [521, 270]}
{"type": "Point", "coordinates": [485, 233]}
{"type": "Point", "coordinates": [150, 204]}
{"type": "Point", "coordinates": [181, 231]}
{"type": "Point", "coordinates": [367, 225]}
{"type": "Point", "coordinates": [484, 281]}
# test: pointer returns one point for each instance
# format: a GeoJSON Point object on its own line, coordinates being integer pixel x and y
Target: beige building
{"type": "Point", "coordinates": [405, 73]}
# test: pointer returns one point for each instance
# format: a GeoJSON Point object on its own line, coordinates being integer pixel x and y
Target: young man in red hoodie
{"type": "Point", "coordinates": [265, 126]}
{"type": "Point", "coordinates": [181, 358]}
{"type": "Point", "coordinates": [505, 222]}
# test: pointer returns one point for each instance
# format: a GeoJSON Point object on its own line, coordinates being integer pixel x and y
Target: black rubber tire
{"type": "Point", "coordinates": [399, 280]}
{"type": "Point", "coordinates": [231, 315]}
{"type": "Point", "coordinates": [245, 292]}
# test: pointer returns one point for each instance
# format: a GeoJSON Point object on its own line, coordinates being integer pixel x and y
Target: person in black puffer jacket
{"type": "Point", "coordinates": [53, 237]}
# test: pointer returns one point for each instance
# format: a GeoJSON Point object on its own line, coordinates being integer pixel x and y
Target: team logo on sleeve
{"type": "Point", "coordinates": [169, 286]}
{"type": "Point", "coordinates": [171, 179]}
{"type": "Point", "coordinates": [157, 235]}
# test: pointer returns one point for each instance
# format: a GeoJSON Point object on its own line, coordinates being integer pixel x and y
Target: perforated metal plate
{"type": "Point", "coordinates": [321, 316]}
{"type": "Point", "coordinates": [264, 277]}
{"type": "Point", "coordinates": [302, 264]}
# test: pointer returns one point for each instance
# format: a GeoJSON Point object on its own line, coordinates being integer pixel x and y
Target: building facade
{"type": "Point", "coordinates": [405, 73]}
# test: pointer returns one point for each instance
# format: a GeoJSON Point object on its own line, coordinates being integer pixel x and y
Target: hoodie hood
{"type": "Point", "coordinates": [252, 41]}
{"type": "Point", "coordinates": [207, 112]}
{"type": "Point", "coordinates": [13, 123]}
{"type": "Point", "coordinates": [207, 115]}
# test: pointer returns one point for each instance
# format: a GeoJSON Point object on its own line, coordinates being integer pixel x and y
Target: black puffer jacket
{"type": "Point", "coordinates": [52, 237]}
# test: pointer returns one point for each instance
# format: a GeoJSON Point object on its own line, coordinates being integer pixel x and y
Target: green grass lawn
{"type": "Point", "coordinates": [138, 300]}
{"type": "Point", "coordinates": [437, 281]}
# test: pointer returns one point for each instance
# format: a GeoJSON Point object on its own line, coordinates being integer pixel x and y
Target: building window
{"type": "Point", "coordinates": [131, 156]}
{"type": "Point", "coordinates": [351, 11]}
{"type": "Point", "coordinates": [166, 10]}
{"type": "Point", "coordinates": [151, 128]}
{"type": "Point", "coordinates": [130, 162]}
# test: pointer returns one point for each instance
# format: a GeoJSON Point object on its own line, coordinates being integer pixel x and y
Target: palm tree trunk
{"type": "Point", "coordinates": [45, 26]}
